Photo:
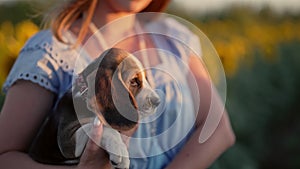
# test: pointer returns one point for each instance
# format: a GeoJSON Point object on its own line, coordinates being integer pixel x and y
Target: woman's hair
{"type": "Point", "coordinates": [65, 15]}
{"type": "Point", "coordinates": [62, 17]}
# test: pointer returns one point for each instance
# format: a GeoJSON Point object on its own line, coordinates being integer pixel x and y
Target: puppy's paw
{"type": "Point", "coordinates": [116, 148]}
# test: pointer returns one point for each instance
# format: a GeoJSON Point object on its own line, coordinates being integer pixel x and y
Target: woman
{"type": "Point", "coordinates": [43, 72]}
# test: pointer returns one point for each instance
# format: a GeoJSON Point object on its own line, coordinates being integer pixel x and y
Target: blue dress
{"type": "Point", "coordinates": [51, 64]}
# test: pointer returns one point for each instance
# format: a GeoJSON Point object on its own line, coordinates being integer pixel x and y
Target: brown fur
{"type": "Point", "coordinates": [107, 93]}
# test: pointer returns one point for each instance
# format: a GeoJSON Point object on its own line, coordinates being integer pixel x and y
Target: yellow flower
{"type": "Point", "coordinates": [12, 38]}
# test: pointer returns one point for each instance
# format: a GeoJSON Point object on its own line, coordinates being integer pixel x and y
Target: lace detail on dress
{"type": "Point", "coordinates": [45, 61]}
{"type": "Point", "coordinates": [35, 78]}
{"type": "Point", "coordinates": [63, 55]}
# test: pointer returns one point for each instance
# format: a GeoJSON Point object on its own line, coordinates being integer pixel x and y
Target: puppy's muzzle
{"type": "Point", "coordinates": [153, 99]}
{"type": "Point", "coordinates": [148, 101]}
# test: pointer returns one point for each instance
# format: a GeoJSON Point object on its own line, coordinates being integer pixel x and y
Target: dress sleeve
{"type": "Point", "coordinates": [37, 64]}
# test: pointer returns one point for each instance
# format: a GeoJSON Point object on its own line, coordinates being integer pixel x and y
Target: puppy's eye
{"type": "Point", "coordinates": [134, 82]}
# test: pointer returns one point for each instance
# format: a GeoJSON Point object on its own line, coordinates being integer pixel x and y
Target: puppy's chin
{"type": "Point", "coordinates": [147, 111]}
{"type": "Point", "coordinates": [147, 103]}
{"type": "Point", "coordinates": [123, 128]}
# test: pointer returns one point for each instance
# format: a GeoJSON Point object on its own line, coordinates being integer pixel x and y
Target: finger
{"type": "Point", "coordinates": [95, 135]}
{"type": "Point", "coordinates": [92, 148]}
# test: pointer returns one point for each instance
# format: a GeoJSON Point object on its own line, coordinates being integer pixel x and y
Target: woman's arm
{"type": "Point", "coordinates": [26, 105]}
{"type": "Point", "coordinates": [195, 155]}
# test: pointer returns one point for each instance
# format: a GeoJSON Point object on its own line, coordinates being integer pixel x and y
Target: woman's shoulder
{"type": "Point", "coordinates": [44, 39]}
{"type": "Point", "coordinates": [43, 35]}
{"type": "Point", "coordinates": [170, 26]}
{"type": "Point", "coordinates": [43, 60]}
{"type": "Point", "coordinates": [63, 54]}
{"type": "Point", "coordinates": [173, 24]}
{"type": "Point", "coordinates": [178, 30]}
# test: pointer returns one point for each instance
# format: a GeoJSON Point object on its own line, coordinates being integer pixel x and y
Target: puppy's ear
{"type": "Point", "coordinates": [118, 105]}
{"type": "Point", "coordinates": [124, 100]}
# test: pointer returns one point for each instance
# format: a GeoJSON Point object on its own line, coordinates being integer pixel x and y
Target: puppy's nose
{"type": "Point", "coordinates": [155, 100]}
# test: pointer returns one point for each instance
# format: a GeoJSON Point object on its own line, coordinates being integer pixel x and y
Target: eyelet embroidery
{"type": "Point", "coordinates": [62, 55]}
{"type": "Point", "coordinates": [35, 78]}
{"type": "Point", "coordinates": [65, 58]}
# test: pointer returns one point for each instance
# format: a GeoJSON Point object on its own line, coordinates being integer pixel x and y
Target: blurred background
{"type": "Point", "coordinates": [259, 45]}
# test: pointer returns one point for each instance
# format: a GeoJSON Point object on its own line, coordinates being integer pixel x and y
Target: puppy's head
{"type": "Point", "coordinates": [122, 93]}
{"type": "Point", "coordinates": [134, 76]}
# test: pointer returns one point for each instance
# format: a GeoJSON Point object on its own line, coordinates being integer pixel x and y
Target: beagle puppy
{"type": "Point", "coordinates": [112, 89]}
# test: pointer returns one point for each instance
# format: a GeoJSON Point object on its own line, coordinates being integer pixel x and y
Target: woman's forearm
{"type": "Point", "coordinates": [195, 155]}
{"type": "Point", "coordinates": [17, 160]}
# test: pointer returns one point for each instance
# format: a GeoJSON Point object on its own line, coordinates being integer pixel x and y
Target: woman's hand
{"type": "Point", "coordinates": [115, 146]}
{"type": "Point", "coordinates": [94, 157]}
